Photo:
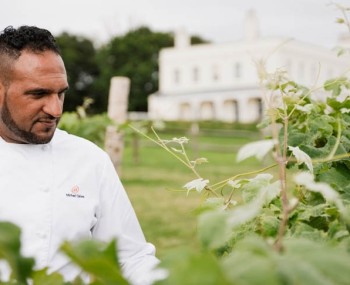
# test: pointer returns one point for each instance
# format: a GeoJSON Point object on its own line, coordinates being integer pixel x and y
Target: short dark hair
{"type": "Point", "coordinates": [13, 41]}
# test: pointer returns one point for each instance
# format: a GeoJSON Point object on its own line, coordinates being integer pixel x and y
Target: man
{"type": "Point", "coordinates": [56, 186]}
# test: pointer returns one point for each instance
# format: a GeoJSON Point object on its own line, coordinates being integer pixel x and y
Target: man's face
{"type": "Point", "coordinates": [32, 103]}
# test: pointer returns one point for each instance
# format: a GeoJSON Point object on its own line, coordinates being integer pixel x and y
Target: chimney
{"type": "Point", "coordinates": [182, 40]}
{"type": "Point", "coordinates": [251, 26]}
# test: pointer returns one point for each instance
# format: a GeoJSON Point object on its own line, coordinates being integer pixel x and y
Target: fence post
{"type": "Point", "coordinates": [118, 112]}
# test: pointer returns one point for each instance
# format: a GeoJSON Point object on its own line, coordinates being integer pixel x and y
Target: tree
{"type": "Point", "coordinates": [79, 55]}
{"type": "Point", "coordinates": [195, 40]}
{"type": "Point", "coordinates": [134, 55]}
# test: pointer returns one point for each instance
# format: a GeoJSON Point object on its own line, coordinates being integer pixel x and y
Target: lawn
{"type": "Point", "coordinates": [155, 182]}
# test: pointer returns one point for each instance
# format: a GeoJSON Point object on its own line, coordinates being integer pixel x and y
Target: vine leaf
{"type": "Point", "coordinates": [302, 157]}
{"type": "Point", "coordinates": [259, 149]}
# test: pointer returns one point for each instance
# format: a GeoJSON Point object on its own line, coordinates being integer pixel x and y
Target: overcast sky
{"type": "Point", "coordinates": [215, 20]}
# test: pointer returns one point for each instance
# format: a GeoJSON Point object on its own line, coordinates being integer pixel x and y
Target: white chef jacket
{"type": "Point", "coordinates": [68, 190]}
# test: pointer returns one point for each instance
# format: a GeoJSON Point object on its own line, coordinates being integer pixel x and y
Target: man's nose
{"type": "Point", "coordinates": [53, 105]}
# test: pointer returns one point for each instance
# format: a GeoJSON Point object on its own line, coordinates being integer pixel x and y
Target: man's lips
{"type": "Point", "coordinates": [48, 123]}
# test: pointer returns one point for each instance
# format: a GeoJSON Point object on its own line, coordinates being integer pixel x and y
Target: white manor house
{"type": "Point", "coordinates": [220, 81]}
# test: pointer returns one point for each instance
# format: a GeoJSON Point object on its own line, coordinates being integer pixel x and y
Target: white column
{"type": "Point", "coordinates": [118, 112]}
{"type": "Point", "coordinates": [247, 112]}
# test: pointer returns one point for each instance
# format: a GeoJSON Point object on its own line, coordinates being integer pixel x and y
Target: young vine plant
{"type": "Point", "coordinates": [288, 222]}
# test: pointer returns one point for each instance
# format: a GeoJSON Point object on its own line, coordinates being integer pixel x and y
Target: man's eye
{"type": "Point", "coordinates": [38, 93]}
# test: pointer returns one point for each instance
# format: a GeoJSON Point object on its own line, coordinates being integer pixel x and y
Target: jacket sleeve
{"type": "Point", "coordinates": [116, 219]}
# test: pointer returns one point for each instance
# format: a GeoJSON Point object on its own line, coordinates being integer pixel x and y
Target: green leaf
{"type": "Point", "coordinates": [213, 229]}
{"type": "Point", "coordinates": [10, 245]}
{"type": "Point", "coordinates": [253, 187]}
{"type": "Point", "coordinates": [336, 105]}
{"type": "Point", "coordinates": [211, 204]}
{"type": "Point", "coordinates": [258, 149]}
{"type": "Point", "coordinates": [302, 230]}
{"type": "Point", "coordinates": [306, 212]}
{"type": "Point", "coordinates": [340, 52]}
{"type": "Point", "coordinates": [297, 137]}
{"type": "Point", "coordinates": [332, 263]}
{"type": "Point", "coordinates": [334, 85]}
{"type": "Point", "coordinates": [251, 263]}
{"type": "Point", "coordinates": [41, 277]}
{"type": "Point", "coordinates": [337, 177]}
{"type": "Point", "coordinates": [189, 268]}
{"type": "Point", "coordinates": [302, 262]}
{"type": "Point", "coordinates": [321, 125]}
{"type": "Point", "coordinates": [268, 225]}
{"type": "Point", "coordinates": [98, 259]}
{"type": "Point", "coordinates": [297, 271]}
{"type": "Point", "coordinates": [340, 20]}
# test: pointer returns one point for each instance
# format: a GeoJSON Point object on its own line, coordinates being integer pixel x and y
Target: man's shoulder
{"type": "Point", "coordinates": [65, 141]}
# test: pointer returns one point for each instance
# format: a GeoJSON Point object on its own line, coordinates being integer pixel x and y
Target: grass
{"type": "Point", "coordinates": [154, 184]}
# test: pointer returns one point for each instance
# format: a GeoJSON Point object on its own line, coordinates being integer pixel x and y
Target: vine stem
{"type": "Point", "coordinates": [343, 11]}
{"type": "Point", "coordinates": [185, 161]}
{"type": "Point", "coordinates": [334, 158]}
{"type": "Point", "coordinates": [161, 144]}
{"type": "Point", "coordinates": [222, 183]}
{"type": "Point", "coordinates": [281, 158]}
{"type": "Point", "coordinates": [336, 145]}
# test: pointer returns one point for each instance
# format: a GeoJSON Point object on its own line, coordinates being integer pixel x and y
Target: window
{"type": "Point", "coordinates": [215, 73]}
{"type": "Point", "coordinates": [313, 72]}
{"type": "Point", "coordinates": [289, 66]}
{"type": "Point", "coordinates": [195, 74]}
{"type": "Point", "coordinates": [301, 70]}
{"type": "Point", "coordinates": [176, 76]}
{"type": "Point", "coordinates": [237, 70]}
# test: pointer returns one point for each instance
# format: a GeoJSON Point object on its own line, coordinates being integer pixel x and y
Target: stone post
{"type": "Point", "coordinates": [118, 112]}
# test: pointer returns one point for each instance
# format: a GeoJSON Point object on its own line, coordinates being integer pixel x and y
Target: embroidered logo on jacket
{"type": "Point", "coordinates": [74, 192]}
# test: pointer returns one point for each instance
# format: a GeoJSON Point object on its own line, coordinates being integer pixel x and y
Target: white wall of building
{"type": "Point", "coordinates": [220, 81]}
